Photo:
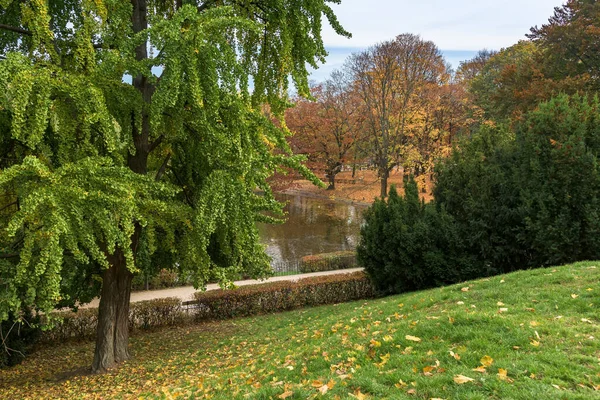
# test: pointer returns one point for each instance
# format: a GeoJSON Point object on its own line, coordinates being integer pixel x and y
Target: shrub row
{"type": "Point", "coordinates": [283, 295]}
{"type": "Point", "coordinates": [328, 261]}
{"type": "Point", "coordinates": [142, 315]}
{"type": "Point", "coordinates": [222, 304]}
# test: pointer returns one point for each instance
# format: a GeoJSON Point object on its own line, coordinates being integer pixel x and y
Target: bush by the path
{"type": "Point", "coordinates": [409, 245]}
{"type": "Point", "coordinates": [328, 261]}
{"type": "Point", "coordinates": [283, 295]}
{"type": "Point", "coordinates": [222, 304]}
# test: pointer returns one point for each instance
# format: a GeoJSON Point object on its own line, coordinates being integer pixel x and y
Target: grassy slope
{"type": "Point", "coordinates": [542, 327]}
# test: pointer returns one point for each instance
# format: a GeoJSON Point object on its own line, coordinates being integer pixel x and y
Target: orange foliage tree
{"type": "Point", "coordinates": [327, 127]}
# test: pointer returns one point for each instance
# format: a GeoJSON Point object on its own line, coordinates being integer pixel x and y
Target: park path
{"type": "Point", "coordinates": [186, 293]}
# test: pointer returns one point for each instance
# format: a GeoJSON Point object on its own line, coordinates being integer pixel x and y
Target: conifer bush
{"type": "Point", "coordinates": [508, 198]}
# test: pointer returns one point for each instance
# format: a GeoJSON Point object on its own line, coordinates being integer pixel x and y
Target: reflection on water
{"type": "Point", "coordinates": [313, 226]}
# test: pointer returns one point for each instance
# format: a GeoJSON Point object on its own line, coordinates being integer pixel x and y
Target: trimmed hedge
{"type": "Point", "coordinates": [142, 315]}
{"type": "Point", "coordinates": [328, 261]}
{"type": "Point", "coordinates": [222, 304]}
{"type": "Point", "coordinates": [281, 296]}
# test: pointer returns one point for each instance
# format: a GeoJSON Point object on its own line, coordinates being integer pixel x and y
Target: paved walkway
{"type": "Point", "coordinates": [186, 293]}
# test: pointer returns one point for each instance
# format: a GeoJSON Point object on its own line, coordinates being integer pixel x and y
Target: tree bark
{"type": "Point", "coordinates": [384, 180]}
{"type": "Point", "coordinates": [112, 337]}
{"type": "Point", "coordinates": [112, 334]}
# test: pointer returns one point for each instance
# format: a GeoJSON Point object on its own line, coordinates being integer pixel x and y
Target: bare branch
{"type": "Point", "coordinates": [163, 168]}
{"type": "Point", "coordinates": [15, 29]}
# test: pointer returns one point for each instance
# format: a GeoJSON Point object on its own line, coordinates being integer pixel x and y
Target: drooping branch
{"type": "Point", "coordinates": [15, 29]}
{"type": "Point", "coordinates": [156, 143]}
{"type": "Point", "coordinates": [163, 168]}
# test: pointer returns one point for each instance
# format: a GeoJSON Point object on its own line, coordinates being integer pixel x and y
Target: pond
{"type": "Point", "coordinates": [313, 226]}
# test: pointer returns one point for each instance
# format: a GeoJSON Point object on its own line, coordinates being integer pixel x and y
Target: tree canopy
{"type": "Point", "coordinates": [135, 129]}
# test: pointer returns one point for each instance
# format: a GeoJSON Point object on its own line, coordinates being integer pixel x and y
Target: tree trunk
{"type": "Point", "coordinates": [112, 334]}
{"type": "Point", "coordinates": [331, 179]}
{"type": "Point", "coordinates": [384, 179]}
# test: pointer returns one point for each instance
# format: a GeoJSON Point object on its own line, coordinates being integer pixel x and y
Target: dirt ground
{"type": "Point", "coordinates": [365, 189]}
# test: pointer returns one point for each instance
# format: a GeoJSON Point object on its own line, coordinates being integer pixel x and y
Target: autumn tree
{"type": "Point", "coordinates": [388, 78]}
{"type": "Point", "coordinates": [328, 127]}
{"type": "Point", "coordinates": [131, 128]}
{"type": "Point", "coordinates": [570, 42]}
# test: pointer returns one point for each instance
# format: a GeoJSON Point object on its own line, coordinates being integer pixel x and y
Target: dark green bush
{"type": "Point", "coordinates": [531, 198]}
{"type": "Point", "coordinates": [328, 261]}
{"type": "Point", "coordinates": [409, 245]}
{"type": "Point", "coordinates": [504, 201]}
{"type": "Point", "coordinates": [283, 295]}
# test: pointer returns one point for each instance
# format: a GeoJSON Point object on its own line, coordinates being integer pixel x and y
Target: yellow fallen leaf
{"type": "Point", "coordinates": [503, 310]}
{"type": "Point", "coordinates": [285, 395]}
{"type": "Point", "coordinates": [534, 343]}
{"type": "Point", "coordinates": [460, 379]}
{"type": "Point", "coordinates": [533, 323]}
{"type": "Point", "coordinates": [499, 303]}
{"type": "Point", "coordinates": [456, 356]}
{"type": "Point", "coordinates": [412, 338]}
{"type": "Point", "coordinates": [479, 369]}
{"type": "Point", "coordinates": [586, 320]}
{"type": "Point", "coordinates": [465, 289]}
{"type": "Point", "coordinates": [411, 391]}
{"type": "Point", "coordinates": [323, 389]}
{"type": "Point", "coordinates": [503, 375]}
{"type": "Point", "coordinates": [401, 384]}
{"type": "Point", "coordinates": [317, 384]}
{"type": "Point", "coordinates": [427, 370]}
{"type": "Point", "coordinates": [574, 295]}
{"type": "Point", "coordinates": [358, 395]}
{"type": "Point", "coordinates": [486, 361]}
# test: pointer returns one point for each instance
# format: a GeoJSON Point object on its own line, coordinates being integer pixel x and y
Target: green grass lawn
{"type": "Point", "coordinates": [526, 335]}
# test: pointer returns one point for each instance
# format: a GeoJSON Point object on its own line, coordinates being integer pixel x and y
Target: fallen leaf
{"type": "Point", "coordinates": [401, 384]}
{"type": "Point", "coordinates": [479, 369]}
{"type": "Point", "coordinates": [460, 303]}
{"type": "Point", "coordinates": [323, 389]}
{"type": "Point", "coordinates": [465, 289]}
{"type": "Point", "coordinates": [534, 343]}
{"type": "Point", "coordinates": [411, 391]}
{"type": "Point", "coordinates": [317, 384]}
{"type": "Point", "coordinates": [427, 370]}
{"type": "Point", "coordinates": [499, 303]}
{"type": "Point", "coordinates": [574, 296]}
{"type": "Point", "coordinates": [586, 320]}
{"type": "Point", "coordinates": [412, 338]}
{"type": "Point", "coordinates": [503, 310]}
{"type": "Point", "coordinates": [456, 356]}
{"type": "Point", "coordinates": [503, 375]}
{"type": "Point", "coordinates": [285, 395]}
{"type": "Point", "coordinates": [486, 361]}
{"type": "Point", "coordinates": [461, 379]}
{"type": "Point", "coordinates": [358, 395]}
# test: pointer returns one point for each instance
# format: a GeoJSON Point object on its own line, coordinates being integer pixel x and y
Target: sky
{"type": "Point", "coordinates": [459, 28]}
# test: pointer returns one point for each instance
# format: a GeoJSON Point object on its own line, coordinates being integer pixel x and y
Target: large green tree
{"type": "Point", "coordinates": [134, 128]}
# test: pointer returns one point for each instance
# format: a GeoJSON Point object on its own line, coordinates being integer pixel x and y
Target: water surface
{"type": "Point", "coordinates": [313, 226]}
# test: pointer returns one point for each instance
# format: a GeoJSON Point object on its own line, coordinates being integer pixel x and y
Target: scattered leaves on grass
{"type": "Point", "coordinates": [486, 361]}
{"type": "Point", "coordinates": [412, 338]}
